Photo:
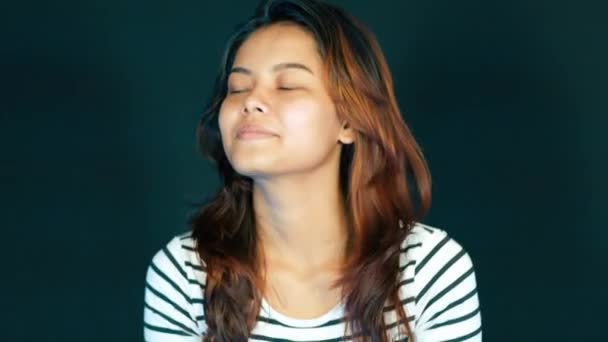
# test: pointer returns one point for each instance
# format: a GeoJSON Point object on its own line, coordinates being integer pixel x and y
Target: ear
{"type": "Point", "coordinates": [346, 135]}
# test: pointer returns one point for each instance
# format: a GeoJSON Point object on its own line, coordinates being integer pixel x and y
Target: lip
{"type": "Point", "coordinates": [252, 131]}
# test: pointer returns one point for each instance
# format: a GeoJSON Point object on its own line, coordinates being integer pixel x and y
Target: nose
{"type": "Point", "coordinates": [254, 104]}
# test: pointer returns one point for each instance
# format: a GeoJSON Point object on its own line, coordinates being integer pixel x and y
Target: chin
{"type": "Point", "coordinates": [251, 168]}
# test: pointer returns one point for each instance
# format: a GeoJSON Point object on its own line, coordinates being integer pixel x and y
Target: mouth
{"type": "Point", "coordinates": [254, 132]}
{"type": "Point", "coordinates": [254, 135]}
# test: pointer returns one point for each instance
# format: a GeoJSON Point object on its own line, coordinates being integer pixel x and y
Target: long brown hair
{"type": "Point", "coordinates": [380, 174]}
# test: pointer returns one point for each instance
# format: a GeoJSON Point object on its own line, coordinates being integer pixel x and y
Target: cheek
{"type": "Point", "coordinates": [226, 118]}
{"type": "Point", "coordinates": [311, 122]}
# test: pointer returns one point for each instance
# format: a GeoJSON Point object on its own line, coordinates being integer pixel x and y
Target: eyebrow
{"type": "Point", "coordinates": [275, 68]}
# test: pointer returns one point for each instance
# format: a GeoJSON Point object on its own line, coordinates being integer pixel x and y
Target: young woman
{"type": "Point", "coordinates": [315, 233]}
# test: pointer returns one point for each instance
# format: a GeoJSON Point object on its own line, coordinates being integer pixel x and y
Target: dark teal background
{"type": "Point", "coordinates": [99, 104]}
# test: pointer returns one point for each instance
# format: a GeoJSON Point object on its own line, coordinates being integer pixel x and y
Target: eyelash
{"type": "Point", "coordinates": [237, 91]}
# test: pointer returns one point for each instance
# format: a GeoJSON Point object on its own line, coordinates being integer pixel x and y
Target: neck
{"type": "Point", "coordinates": [300, 220]}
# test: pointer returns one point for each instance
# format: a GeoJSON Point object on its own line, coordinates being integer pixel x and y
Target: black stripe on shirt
{"type": "Point", "coordinates": [170, 320]}
{"type": "Point", "coordinates": [170, 281]}
{"type": "Point", "coordinates": [195, 266]}
{"type": "Point", "coordinates": [428, 230]}
{"type": "Point", "coordinates": [432, 253]}
{"type": "Point", "coordinates": [180, 269]}
{"type": "Point", "coordinates": [456, 320]}
{"type": "Point", "coordinates": [174, 262]}
{"type": "Point", "coordinates": [405, 281]}
{"type": "Point", "coordinates": [410, 263]}
{"type": "Point", "coordinates": [189, 248]}
{"type": "Point", "coordinates": [170, 302]}
{"type": "Point", "coordinates": [274, 339]}
{"type": "Point", "coordinates": [402, 303]}
{"type": "Point", "coordinates": [448, 289]}
{"type": "Point", "coordinates": [439, 273]}
{"type": "Point", "coordinates": [454, 303]}
{"type": "Point", "coordinates": [408, 247]}
{"type": "Point", "coordinates": [275, 322]}
{"type": "Point", "coordinates": [399, 321]}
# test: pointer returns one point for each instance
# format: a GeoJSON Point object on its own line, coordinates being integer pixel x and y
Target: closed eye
{"type": "Point", "coordinates": [236, 91]}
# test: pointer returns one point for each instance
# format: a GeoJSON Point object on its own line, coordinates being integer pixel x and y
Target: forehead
{"type": "Point", "coordinates": [278, 43]}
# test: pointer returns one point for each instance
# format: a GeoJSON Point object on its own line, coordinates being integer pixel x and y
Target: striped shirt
{"type": "Point", "coordinates": [438, 290]}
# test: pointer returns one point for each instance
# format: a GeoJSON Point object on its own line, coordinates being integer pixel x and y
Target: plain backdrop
{"type": "Point", "coordinates": [100, 100]}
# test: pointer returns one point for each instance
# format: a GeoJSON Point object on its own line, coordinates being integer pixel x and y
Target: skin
{"type": "Point", "coordinates": [298, 209]}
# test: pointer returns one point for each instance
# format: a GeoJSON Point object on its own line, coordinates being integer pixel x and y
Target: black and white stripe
{"type": "Point", "coordinates": [437, 290]}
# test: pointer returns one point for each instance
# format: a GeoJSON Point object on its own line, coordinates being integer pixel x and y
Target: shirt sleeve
{"type": "Point", "coordinates": [169, 315]}
{"type": "Point", "coordinates": [447, 304]}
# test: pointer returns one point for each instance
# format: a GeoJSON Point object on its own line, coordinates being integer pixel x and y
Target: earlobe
{"type": "Point", "coordinates": [347, 135]}
{"type": "Point", "coordinates": [346, 140]}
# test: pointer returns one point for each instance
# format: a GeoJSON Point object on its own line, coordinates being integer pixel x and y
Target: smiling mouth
{"type": "Point", "coordinates": [254, 135]}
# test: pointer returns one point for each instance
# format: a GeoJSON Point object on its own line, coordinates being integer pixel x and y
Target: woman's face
{"type": "Point", "coordinates": [278, 117]}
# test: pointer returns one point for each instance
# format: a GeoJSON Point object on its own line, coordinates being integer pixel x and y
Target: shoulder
{"type": "Point", "coordinates": [174, 291]}
{"type": "Point", "coordinates": [429, 252]}
{"type": "Point", "coordinates": [440, 280]}
{"type": "Point", "coordinates": [179, 258]}
{"type": "Point", "coordinates": [427, 246]}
